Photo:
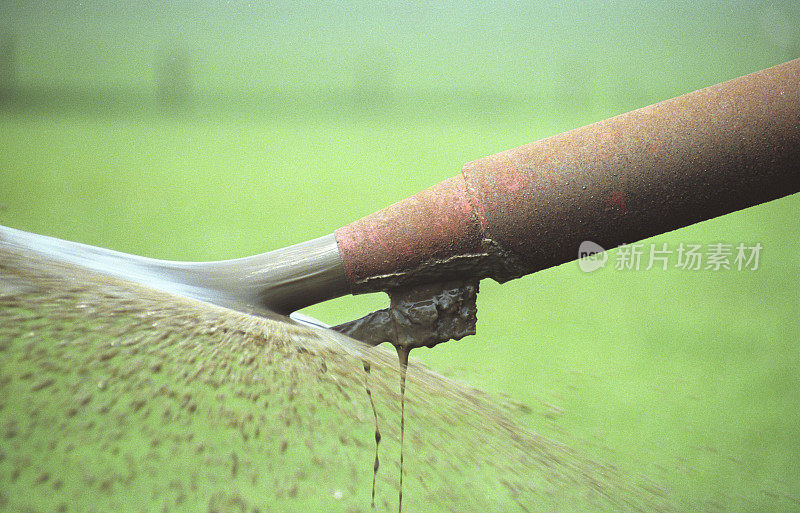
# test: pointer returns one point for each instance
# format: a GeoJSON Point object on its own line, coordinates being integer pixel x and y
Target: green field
{"type": "Point", "coordinates": [688, 377]}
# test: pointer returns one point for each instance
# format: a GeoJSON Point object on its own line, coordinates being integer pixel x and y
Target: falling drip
{"type": "Point", "coordinates": [418, 315]}
{"type": "Point", "coordinates": [402, 354]}
{"type": "Point", "coordinates": [377, 431]}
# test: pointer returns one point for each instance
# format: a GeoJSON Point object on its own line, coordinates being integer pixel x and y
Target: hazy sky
{"type": "Point", "coordinates": [465, 46]}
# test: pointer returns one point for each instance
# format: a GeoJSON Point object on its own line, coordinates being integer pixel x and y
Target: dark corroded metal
{"type": "Point", "coordinates": [662, 167]}
{"type": "Point", "coordinates": [420, 316]}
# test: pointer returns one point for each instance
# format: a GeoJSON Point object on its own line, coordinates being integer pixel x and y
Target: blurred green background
{"type": "Point", "coordinates": [210, 130]}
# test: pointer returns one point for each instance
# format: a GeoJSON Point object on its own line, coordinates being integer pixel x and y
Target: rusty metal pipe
{"type": "Point", "coordinates": [646, 172]}
{"type": "Point", "coordinates": [656, 169]}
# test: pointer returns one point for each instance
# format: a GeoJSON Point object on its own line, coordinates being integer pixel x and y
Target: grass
{"type": "Point", "coordinates": [689, 377]}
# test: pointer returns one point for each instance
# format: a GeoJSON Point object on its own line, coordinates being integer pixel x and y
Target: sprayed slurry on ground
{"type": "Point", "coordinates": [114, 397]}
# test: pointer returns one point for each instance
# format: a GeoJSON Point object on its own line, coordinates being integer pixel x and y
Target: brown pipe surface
{"type": "Point", "coordinates": [652, 170]}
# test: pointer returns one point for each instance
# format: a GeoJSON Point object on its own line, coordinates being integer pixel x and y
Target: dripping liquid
{"type": "Point", "coordinates": [402, 354]}
{"type": "Point", "coordinates": [377, 431]}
